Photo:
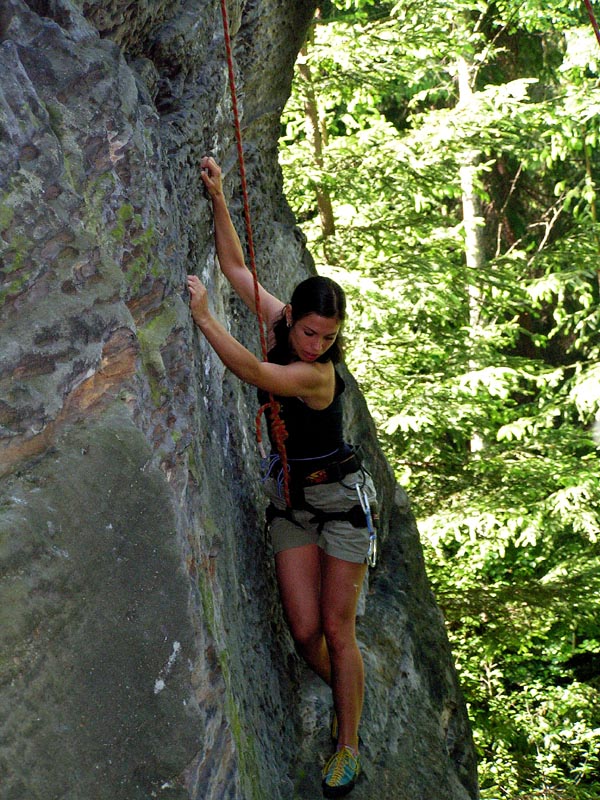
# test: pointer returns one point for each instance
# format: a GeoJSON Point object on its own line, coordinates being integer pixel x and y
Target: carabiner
{"type": "Point", "coordinates": [364, 504]}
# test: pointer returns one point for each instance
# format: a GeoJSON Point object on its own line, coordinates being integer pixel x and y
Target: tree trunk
{"type": "Point", "coordinates": [472, 222]}
{"type": "Point", "coordinates": [314, 134]}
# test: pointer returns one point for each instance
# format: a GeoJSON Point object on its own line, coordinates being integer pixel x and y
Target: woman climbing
{"type": "Point", "coordinates": [320, 542]}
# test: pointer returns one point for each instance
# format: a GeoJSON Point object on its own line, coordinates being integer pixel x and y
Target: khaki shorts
{"type": "Point", "coordinates": [338, 537]}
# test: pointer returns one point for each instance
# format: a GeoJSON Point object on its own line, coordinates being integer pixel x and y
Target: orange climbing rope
{"type": "Point", "coordinates": [278, 431]}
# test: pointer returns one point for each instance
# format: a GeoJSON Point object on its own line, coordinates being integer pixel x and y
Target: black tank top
{"type": "Point", "coordinates": [311, 433]}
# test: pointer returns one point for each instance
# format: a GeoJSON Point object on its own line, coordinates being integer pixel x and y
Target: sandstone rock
{"type": "Point", "coordinates": [142, 647]}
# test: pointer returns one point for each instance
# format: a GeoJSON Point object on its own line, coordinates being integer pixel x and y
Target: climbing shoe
{"type": "Point", "coordinates": [340, 773]}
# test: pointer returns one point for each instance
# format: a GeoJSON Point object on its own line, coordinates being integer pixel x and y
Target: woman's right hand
{"type": "Point", "coordinates": [198, 300]}
{"type": "Point", "coordinates": [211, 176]}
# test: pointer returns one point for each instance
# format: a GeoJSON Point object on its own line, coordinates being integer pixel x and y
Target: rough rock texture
{"type": "Point", "coordinates": [142, 648]}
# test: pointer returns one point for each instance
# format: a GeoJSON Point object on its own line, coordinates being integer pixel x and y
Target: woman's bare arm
{"type": "Point", "coordinates": [229, 248]}
{"type": "Point", "coordinates": [313, 382]}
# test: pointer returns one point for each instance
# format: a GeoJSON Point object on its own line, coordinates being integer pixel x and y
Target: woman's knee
{"type": "Point", "coordinates": [306, 633]}
{"type": "Point", "coordinates": [339, 633]}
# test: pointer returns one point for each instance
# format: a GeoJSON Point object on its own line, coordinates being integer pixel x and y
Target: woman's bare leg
{"type": "Point", "coordinates": [299, 578]}
{"type": "Point", "coordinates": [341, 582]}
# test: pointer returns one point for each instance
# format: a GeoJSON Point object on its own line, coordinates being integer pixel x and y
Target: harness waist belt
{"type": "Point", "coordinates": [328, 473]}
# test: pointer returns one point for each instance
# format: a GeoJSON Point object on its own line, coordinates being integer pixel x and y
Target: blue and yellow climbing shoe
{"type": "Point", "coordinates": [340, 773]}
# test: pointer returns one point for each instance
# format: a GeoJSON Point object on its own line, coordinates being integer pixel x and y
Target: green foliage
{"type": "Point", "coordinates": [484, 383]}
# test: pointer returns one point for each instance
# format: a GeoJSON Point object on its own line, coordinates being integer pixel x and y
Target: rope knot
{"type": "Point", "coordinates": [279, 434]}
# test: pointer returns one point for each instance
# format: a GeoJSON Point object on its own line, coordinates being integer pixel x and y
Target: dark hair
{"type": "Point", "coordinates": [316, 295]}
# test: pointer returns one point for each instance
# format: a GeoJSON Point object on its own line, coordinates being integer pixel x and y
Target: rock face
{"type": "Point", "coordinates": [142, 648]}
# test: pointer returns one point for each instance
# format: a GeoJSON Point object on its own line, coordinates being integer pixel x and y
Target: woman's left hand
{"type": "Point", "coordinates": [198, 299]}
{"type": "Point", "coordinates": [210, 172]}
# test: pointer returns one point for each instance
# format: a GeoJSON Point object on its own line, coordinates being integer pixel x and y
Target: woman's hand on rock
{"type": "Point", "coordinates": [210, 172]}
{"type": "Point", "coordinates": [198, 300]}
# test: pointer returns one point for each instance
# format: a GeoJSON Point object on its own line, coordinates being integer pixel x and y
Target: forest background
{"type": "Point", "coordinates": [443, 160]}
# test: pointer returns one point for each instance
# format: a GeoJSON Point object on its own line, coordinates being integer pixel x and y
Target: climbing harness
{"type": "Point", "coordinates": [355, 515]}
{"type": "Point", "coordinates": [328, 468]}
{"type": "Point", "coordinates": [303, 474]}
{"type": "Point", "coordinates": [278, 430]}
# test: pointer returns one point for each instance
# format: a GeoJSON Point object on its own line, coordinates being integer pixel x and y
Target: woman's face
{"type": "Point", "coordinates": [313, 335]}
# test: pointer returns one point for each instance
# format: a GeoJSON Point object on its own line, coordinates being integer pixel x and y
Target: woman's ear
{"type": "Point", "coordinates": [287, 310]}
